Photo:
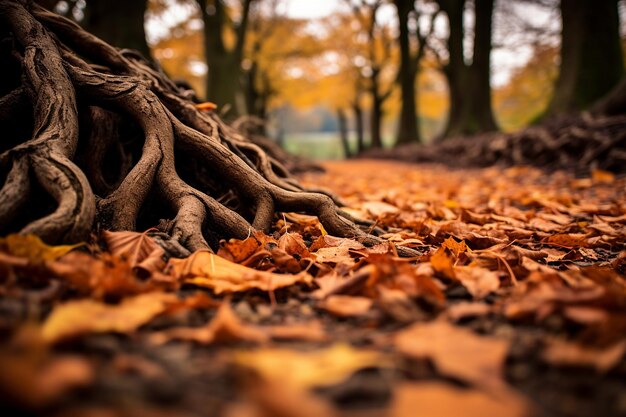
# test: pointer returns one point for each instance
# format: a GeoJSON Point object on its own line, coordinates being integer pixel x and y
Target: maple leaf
{"type": "Point", "coordinates": [206, 269]}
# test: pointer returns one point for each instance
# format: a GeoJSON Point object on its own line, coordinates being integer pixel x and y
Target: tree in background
{"type": "Point", "coordinates": [224, 40]}
{"type": "Point", "coordinates": [469, 84]}
{"type": "Point", "coordinates": [118, 22]}
{"type": "Point", "coordinates": [591, 55]}
{"type": "Point", "coordinates": [380, 48]}
{"type": "Point", "coordinates": [412, 43]}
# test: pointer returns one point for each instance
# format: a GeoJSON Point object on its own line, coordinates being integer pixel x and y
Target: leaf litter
{"type": "Point", "coordinates": [516, 303]}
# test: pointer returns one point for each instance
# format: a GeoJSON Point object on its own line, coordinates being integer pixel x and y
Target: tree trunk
{"type": "Point", "coordinates": [480, 113]}
{"type": "Point", "coordinates": [358, 127]}
{"type": "Point", "coordinates": [119, 23]}
{"type": "Point", "coordinates": [455, 70]}
{"type": "Point", "coordinates": [470, 91]}
{"type": "Point", "coordinates": [224, 84]}
{"type": "Point", "coordinates": [342, 119]}
{"type": "Point", "coordinates": [408, 130]}
{"type": "Point", "coordinates": [376, 117]}
{"type": "Point", "coordinates": [591, 54]}
{"type": "Point", "coordinates": [143, 151]}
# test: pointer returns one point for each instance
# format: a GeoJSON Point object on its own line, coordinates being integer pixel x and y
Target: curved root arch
{"type": "Point", "coordinates": [112, 141]}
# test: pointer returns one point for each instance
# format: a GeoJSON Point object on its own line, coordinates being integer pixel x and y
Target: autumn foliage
{"type": "Point", "coordinates": [519, 283]}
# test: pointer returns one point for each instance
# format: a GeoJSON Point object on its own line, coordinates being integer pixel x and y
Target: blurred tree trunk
{"type": "Point", "coordinates": [118, 22]}
{"type": "Point", "coordinates": [408, 129]}
{"type": "Point", "coordinates": [343, 132]}
{"type": "Point", "coordinates": [591, 55]}
{"type": "Point", "coordinates": [376, 118]}
{"type": "Point", "coordinates": [358, 126]}
{"type": "Point", "coordinates": [224, 64]}
{"type": "Point", "coordinates": [470, 91]}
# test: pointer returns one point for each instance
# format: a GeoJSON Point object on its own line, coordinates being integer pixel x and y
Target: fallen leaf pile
{"type": "Point", "coordinates": [514, 305]}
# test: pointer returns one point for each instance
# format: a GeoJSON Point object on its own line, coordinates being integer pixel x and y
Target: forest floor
{"type": "Point", "coordinates": [516, 307]}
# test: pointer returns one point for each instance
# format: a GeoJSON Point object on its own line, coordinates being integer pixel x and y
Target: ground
{"type": "Point", "coordinates": [516, 306]}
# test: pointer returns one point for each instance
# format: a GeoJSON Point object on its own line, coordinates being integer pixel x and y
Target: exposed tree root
{"type": "Point", "coordinates": [99, 138]}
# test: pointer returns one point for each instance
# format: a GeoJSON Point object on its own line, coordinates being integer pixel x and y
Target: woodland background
{"type": "Point", "coordinates": [373, 72]}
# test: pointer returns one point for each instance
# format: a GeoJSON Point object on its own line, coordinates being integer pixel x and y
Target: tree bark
{"type": "Point", "coordinates": [224, 84]}
{"type": "Point", "coordinates": [119, 23]}
{"type": "Point", "coordinates": [342, 120]}
{"type": "Point", "coordinates": [408, 129]}
{"type": "Point", "coordinates": [469, 86]}
{"type": "Point", "coordinates": [358, 127]}
{"type": "Point", "coordinates": [591, 55]}
{"type": "Point", "coordinates": [114, 144]}
{"type": "Point", "coordinates": [376, 116]}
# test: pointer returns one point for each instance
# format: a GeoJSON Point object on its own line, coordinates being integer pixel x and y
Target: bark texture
{"type": "Point", "coordinates": [98, 138]}
{"type": "Point", "coordinates": [591, 55]}
{"type": "Point", "coordinates": [470, 91]}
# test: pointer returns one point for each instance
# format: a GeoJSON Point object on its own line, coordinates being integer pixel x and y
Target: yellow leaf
{"type": "Point", "coordinates": [208, 270]}
{"type": "Point", "coordinates": [33, 248]}
{"type": "Point", "coordinates": [80, 317]}
{"type": "Point", "coordinates": [309, 369]}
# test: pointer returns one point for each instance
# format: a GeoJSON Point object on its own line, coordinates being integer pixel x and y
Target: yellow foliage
{"type": "Point", "coordinates": [33, 248]}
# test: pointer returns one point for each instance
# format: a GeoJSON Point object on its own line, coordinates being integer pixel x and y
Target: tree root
{"type": "Point", "coordinates": [113, 143]}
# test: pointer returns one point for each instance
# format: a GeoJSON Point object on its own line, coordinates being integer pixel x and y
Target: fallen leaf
{"type": "Point", "coordinates": [33, 248]}
{"type": "Point", "coordinates": [480, 282]}
{"type": "Point", "coordinates": [436, 399]}
{"type": "Point", "coordinates": [206, 269]}
{"type": "Point", "coordinates": [309, 369]}
{"type": "Point", "coordinates": [472, 358]}
{"type": "Point", "coordinates": [346, 306]}
{"type": "Point", "coordinates": [561, 353]}
{"type": "Point", "coordinates": [76, 318]}
{"type": "Point", "coordinates": [225, 327]}
{"type": "Point", "coordinates": [139, 249]}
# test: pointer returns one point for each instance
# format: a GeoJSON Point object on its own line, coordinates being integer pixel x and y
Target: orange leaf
{"type": "Point", "coordinates": [206, 106]}
{"type": "Point", "coordinates": [206, 269]}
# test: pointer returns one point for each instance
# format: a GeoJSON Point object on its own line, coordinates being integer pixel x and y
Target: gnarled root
{"type": "Point", "coordinates": [113, 143]}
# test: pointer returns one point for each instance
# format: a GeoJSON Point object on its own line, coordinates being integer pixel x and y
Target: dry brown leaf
{"type": "Point", "coordinates": [33, 248]}
{"type": "Point", "coordinates": [309, 369]}
{"type": "Point", "coordinates": [347, 306]}
{"type": "Point", "coordinates": [571, 240]}
{"type": "Point", "coordinates": [480, 282]}
{"type": "Point", "coordinates": [76, 318]}
{"type": "Point", "coordinates": [455, 351]}
{"type": "Point", "coordinates": [436, 399]}
{"type": "Point", "coordinates": [238, 251]}
{"type": "Point", "coordinates": [464, 310]}
{"type": "Point", "coordinates": [293, 244]}
{"type": "Point", "coordinates": [106, 276]}
{"type": "Point", "coordinates": [311, 331]}
{"type": "Point", "coordinates": [561, 353]}
{"type": "Point", "coordinates": [206, 269]}
{"type": "Point", "coordinates": [139, 249]}
{"type": "Point", "coordinates": [443, 263]}
{"type": "Point", "coordinates": [225, 327]}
